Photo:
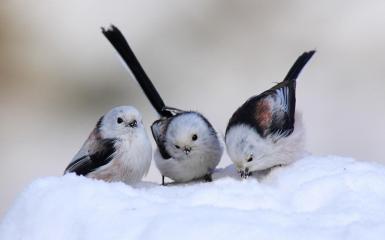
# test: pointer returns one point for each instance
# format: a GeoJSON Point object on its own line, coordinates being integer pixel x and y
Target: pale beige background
{"type": "Point", "coordinates": [58, 74]}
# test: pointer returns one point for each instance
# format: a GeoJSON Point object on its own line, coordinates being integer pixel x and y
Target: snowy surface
{"type": "Point", "coordinates": [315, 198]}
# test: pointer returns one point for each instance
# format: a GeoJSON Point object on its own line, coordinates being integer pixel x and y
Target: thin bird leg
{"type": "Point", "coordinates": [163, 184]}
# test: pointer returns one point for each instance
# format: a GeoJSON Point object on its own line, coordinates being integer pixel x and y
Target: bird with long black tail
{"type": "Point", "coordinates": [266, 131]}
{"type": "Point", "coordinates": [188, 145]}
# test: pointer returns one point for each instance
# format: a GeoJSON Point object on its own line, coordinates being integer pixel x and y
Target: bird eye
{"type": "Point", "coordinates": [177, 146]}
{"type": "Point", "coordinates": [119, 120]}
{"type": "Point", "coordinates": [194, 137]}
{"type": "Point", "coordinates": [250, 158]}
{"type": "Point", "coordinates": [133, 124]}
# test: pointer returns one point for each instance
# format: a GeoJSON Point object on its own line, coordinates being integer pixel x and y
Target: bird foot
{"type": "Point", "coordinates": [207, 178]}
{"type": "Point", "coordinates": [245, 173]}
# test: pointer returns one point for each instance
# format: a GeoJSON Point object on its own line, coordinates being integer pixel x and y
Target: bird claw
{"type": "Point", "coordinates": [245, 173]}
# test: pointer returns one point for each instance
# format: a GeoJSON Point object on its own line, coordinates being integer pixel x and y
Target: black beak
{"type": "Point", "coordinates": [132, 124]}
{"type": "Point", "coordinates": [187, 150]}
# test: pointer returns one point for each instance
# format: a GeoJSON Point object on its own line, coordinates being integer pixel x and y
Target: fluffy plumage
{"type": "Point", "coordinates": [118, 149]}
{"type": "Point", "coordinates": [193, 147]}
{"type": "Point", "coordinates": [188, 146]}
{"type": "Point", "coordinates": [263, 133]}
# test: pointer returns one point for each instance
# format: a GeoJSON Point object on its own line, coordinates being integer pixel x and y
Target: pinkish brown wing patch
{"type": "Point", "coordinates": [264, 114]}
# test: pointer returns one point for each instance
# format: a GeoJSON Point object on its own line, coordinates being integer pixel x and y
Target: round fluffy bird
{"type": "Point", "coordinates": [118, 149]}
{"type": "Point", "coordinates": [265, 131]}
{"type": "Point", "coordinates": [188, 146]}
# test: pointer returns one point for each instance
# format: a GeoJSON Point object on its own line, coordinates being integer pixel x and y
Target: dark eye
{"type": "Point", "coordinates": [119, 120]}
{"type": "Point", "coordinates": [250, 158]}
{"type": "Point", "coordinates": [177, 146]}
{"type": "Point", "coordinates": [133, 124]}
{"type": "Point", "coordinates": [194, 137]}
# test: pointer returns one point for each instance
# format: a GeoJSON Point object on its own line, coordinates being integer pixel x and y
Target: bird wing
{"type": "Point", "coordinates": [272, 112]}
{"type": "Point", "coordinates": [94, 153]}
{"type": "Point", "coordinates": [158, 129]}
{"type": "Point", "coordinates": [268, 113]}
{"type": "Point", "coordinates": [281, 100]}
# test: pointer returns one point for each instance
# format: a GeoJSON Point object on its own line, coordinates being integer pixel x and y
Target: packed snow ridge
{"type": "Point", "coordinates": [315, 198]}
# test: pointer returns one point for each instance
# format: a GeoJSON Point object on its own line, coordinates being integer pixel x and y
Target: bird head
{"type": "Point", "coordinates": [188, 135]}
{"type": "Point", "coordinates": [120, 121]}
{"type": "Point", "coordinates": [247, 149]}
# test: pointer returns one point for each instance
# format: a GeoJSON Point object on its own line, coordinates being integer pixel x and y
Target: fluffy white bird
{"type": "Point", "coordinates": [118, 149]}
{"type": "Point", "coordinates": [188, 146]}
{"type": "Point", "coordinates": [263, 133]}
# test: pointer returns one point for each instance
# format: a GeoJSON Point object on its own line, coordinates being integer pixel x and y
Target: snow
{"type": "Point", "coordinates": [315, 198]}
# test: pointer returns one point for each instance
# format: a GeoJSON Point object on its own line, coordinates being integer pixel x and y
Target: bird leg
{"type": "Point", "coordinates": [163, 184]}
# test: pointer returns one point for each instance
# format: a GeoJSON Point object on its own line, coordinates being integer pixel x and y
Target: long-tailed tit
{"type": "Point", "coordinates": [263, 133]}
{"type": "Point", "coordinates": [118, 149]}
{"type": "Point", "coordinates": [188, 145]}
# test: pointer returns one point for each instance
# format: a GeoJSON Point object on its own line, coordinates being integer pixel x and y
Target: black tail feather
{"type": "Point", "coordinates": [117, 40]}
{"type": "Point", "coordinates": [298, 65]}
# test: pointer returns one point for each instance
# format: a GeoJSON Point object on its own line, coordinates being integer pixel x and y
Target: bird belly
{"type": "Point", "coordinates": [184, 170]}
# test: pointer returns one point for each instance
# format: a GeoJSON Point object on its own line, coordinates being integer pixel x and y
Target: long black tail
{"type": "Point", "coordinates": [117, 40]}
{"type": "Point", "coordinates": [297, 67]}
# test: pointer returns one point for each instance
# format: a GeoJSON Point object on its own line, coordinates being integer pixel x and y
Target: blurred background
{"type": "Point", "coordinates": [58, 74]}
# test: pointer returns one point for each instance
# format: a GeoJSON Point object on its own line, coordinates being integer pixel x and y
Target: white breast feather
{"type": "Point", "coordinates": [189, 169]}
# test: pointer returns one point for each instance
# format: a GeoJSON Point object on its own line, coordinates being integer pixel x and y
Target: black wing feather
{"type": "Point", "coordinates": [117, 40]}
{"type": "Point", "coordinates": [272, 112]}
{"type": "Point", "coordinates": [158, 129]}
{"type": "Point", "coordinates": [88, 163]}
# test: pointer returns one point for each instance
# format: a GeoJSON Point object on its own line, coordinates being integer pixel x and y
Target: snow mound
{"type": "Point", "coordinates": [315, 198]}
